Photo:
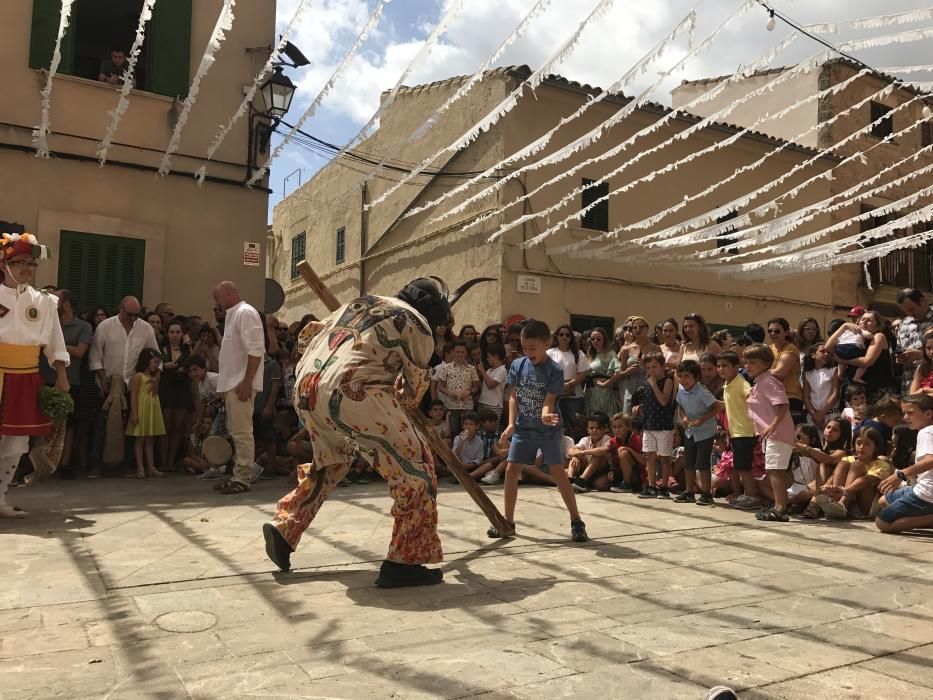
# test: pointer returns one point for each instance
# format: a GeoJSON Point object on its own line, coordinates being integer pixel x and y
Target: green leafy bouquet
{"type": "Point", "coordinates": [55, 404]}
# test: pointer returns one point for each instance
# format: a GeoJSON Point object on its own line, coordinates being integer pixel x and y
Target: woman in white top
{"type": "Point", "coordinates": [668, 339]}
{"type": "Point", "coordinates": [696, 340]}
{"type": "Point", "coordinates": [573, 361]}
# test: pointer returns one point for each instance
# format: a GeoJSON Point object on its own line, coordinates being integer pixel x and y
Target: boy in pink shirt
{"type": "Point", "coordinates": [769, 410]}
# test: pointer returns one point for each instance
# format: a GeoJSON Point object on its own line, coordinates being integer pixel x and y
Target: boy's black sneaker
{"type": "Point", "coordinates": [705, 500]}
{"type": "Point", "coordinates": [494, 534]}
{"type": "Point", "coordinates": [621, 487]}
{"type": "Point", "coordinates": [578, 531]}
{"type": "Point", "coordinates": [649, 492]}
{"type": "Point", "coordinates": [663, 493]}
{"type": "Point", "coordinates": [684, 497]}
{"type": "Point", "coordinates": [579, 485]}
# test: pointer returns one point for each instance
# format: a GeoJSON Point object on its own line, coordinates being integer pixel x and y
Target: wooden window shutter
{"type": "Point", "coordinates": [45, 18]}
{"type": "Point", "coordinates": [101, 270]}
{"type": "Point", "coordinates": [596, 218]}
{"type": "Point", "coordinates": [169, 48]}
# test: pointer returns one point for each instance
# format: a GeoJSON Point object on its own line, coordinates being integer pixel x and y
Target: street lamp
{"type": "Point", "coordinates": [275, 99]}
{"type": "Point", "coordinates": [277, 93]}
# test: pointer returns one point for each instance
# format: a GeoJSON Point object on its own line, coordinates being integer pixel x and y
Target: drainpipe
{"type": "Point", "coordinates": [364, 220]}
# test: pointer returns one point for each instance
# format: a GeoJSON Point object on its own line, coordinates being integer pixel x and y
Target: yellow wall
{"type": "Point", "coordinates": [194, 234]}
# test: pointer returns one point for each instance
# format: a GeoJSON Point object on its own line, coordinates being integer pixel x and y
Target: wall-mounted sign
{"type": "Point", "coordinates": [529, 284]}
{"type": "Point", "coordinates": [251, 254]}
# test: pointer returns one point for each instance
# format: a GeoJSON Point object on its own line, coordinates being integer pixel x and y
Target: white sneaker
{"type": "Point", "coordinates": [212, 473]}
{"type": "Point", "coordinates": [491, 478]}
{"type": "Point", "coordinates": [256, 473]}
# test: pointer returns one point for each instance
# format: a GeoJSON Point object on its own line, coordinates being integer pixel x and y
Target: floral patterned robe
{"type": "Point", "coordinates": [345, 396]}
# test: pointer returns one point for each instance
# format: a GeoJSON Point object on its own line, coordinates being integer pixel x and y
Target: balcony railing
{"type": "Point", "coordinates": [904, 268]}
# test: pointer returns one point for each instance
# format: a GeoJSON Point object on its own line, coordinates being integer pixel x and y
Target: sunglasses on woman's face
{"type": "Point", "coordinates": [563, 335]}
{"type": "Point", "coordinates": [775, 331]}
{"type": "Point", "coordinates": [492, 334]}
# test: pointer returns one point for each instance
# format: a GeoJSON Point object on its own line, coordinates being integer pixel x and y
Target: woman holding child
{"type": "Point", "coordinates": [631, 372]}
{"type": "Point", "coordinates": [873, 368]}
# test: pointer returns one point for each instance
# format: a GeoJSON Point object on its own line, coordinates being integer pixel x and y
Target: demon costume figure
{"type": "Point", "coordinates": [357, 366]}
{"type": "Point", "coordinates": [28, 323]}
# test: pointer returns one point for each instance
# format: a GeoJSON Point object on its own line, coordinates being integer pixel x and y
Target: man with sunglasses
{"type": "Point", "coordinates": [118, 342]}
{"type": "Point", "coordinates": [28, 325]}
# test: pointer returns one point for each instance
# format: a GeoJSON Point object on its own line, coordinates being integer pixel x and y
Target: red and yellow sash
{"type": "Point", "coordinates": [18, 359]}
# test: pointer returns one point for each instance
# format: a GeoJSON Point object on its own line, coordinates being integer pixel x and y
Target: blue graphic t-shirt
{"type": "Point", "coordinates": [532, 383]}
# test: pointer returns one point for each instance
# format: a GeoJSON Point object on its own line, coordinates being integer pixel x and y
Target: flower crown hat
{"type": "Point", "coordinates": [17, 244]}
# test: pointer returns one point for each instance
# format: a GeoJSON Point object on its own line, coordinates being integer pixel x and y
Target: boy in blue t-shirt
{"type": "Point", "coordinates": [536, 381]}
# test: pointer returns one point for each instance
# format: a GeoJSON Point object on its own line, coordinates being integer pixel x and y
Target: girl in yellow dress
{"type": "Point", "coordinates": [146, 421]}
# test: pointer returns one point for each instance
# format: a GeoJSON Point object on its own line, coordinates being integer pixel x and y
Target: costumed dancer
{"type": "Point", "coordinates": [357, 368]}
{"type": "Point", "coordinates": [28, 323]}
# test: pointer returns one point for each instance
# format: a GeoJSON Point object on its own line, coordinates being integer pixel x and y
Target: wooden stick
{"type": "Point", "coordinates": [420, 421]}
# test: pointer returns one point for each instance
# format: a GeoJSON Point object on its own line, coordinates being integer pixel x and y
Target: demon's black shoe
{"type": "Point", "coordinates": [277, 548]}
{"type": "Point", "coordinates": [395, 575]}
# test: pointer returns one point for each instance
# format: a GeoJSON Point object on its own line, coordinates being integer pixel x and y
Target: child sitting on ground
{"type": "Point", "coordinates": [194, 461]}
{"type": "Point", "coordinates": [468, 445]}
{"type": "Point", "coordinates": [805, 469]}
{"type": "Point", "coordinates": [851, 343]}
{"type": "Point", "coordinates": [492, 453]}
{"type": "Point", "coordinates": [854, 483]}
{"type": "Point", "coordinates": [905, 507]}
{"type": "Point", "coordinates": [625, 456]}
{"type": "Point", "coordinates": [589, 458]}
{"type": "Point", "coordinates": [856, 409]}
{"type": "Point", "coordinates": [697, 408]}
{"type": "Point", "coordinates": [885, 416]}
{"type": "Point", "coordinates": [437, 417]}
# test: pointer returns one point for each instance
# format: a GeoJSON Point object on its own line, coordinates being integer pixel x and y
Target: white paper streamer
{"type": "Point", "coordinates": [41, 133]}
{"type": "Point", "coordinates": [428, 123]}
{"type": "Point", "coordinates": [509, 103]}
{"type": "Point", "coordinates": [591, 136]}
{"type": "Point", "coordinates": [221, 27]}
{"type": "Point", "coordinates": [116, 114]}
{"type": "Point", "coordinates": [370, 25]}
{"type": "Point", "coordinates": [539, 144]}
{"type": "Point", "coordinates": [907, 69]}
{"type": "Point", "coordinates": [735, 204]}
{"type": "Point", "coordinates": [615, 150]}
{"type": "Point", "coordinates": [257, 81]}
{"type": "Point", "coordinates": [670, 167]}
{"type": "Point", "coordinates": [662, 239]}
{"type": "Point", "coordinates": [566, 152]}
{"type": "Point", "coordinates": [872, 22]}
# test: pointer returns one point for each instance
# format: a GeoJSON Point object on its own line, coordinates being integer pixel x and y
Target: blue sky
{"type": "Point", "coordinates": [610, 45]}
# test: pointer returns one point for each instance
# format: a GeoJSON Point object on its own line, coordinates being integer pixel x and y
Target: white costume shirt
{"type": "Point", "coordinates": [116, 351]}
{"type": "Point", "coordinates": [243, 337]}
{"type": "Point", "coordinates": [31, 318]}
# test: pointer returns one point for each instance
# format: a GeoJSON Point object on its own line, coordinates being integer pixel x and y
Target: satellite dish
{"type": "Point", "coordinates": [275, 296]}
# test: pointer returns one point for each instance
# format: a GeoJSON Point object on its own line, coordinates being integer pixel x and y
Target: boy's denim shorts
{"type": "Point", "coordinates": [904, 503]}
{"type": "Point", "coordinates": [524, 450]}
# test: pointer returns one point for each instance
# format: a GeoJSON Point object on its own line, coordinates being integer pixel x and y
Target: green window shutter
{"type": "Point", "coordinates": [100, 270]}
{"type": "Point", "coordinates": [169, 48]}
{"type": "Point", "coordinates": [45, 18]}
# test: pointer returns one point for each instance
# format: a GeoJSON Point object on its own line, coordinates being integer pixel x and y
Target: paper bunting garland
{"type": "Point", "coordinates": [41, 133]}
{"type": "Point", "coordinates": [872, 22]}
{"type": "Point", "coordinates": [428, 123]}
{"type": "Point", "coordinates": [221, 27]}
{"type": "Point", "coordinates": [257, 81]}
{"type": "Point", "coordinates": [116, 114]}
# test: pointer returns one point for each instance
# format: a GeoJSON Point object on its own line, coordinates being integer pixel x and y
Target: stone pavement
{"type": "Point", "coordinates": [161, 589]}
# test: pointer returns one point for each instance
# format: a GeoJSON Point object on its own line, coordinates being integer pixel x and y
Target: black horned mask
{"type": "Point", "coordinates": [432, 297]}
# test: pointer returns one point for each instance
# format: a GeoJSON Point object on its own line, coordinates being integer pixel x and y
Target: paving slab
{"type": "Point", "coordinates": [121, 589]}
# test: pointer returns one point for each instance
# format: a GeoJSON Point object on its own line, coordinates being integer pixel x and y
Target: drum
{"type": "Point", "coordinates": [217, 450]}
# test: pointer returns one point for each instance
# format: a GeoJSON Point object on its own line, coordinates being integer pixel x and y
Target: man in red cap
{"type": "Point", "coordinates": [28, 323]}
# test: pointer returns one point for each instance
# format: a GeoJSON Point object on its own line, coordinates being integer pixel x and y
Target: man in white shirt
{"type": "Point", "coordinates": [241, 355]}
{"type": "Point", "coordinates": [118, 342]}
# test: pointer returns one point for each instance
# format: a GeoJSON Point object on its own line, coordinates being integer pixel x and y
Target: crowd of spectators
{"type": "Point", "coordinates": [779, 420]}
